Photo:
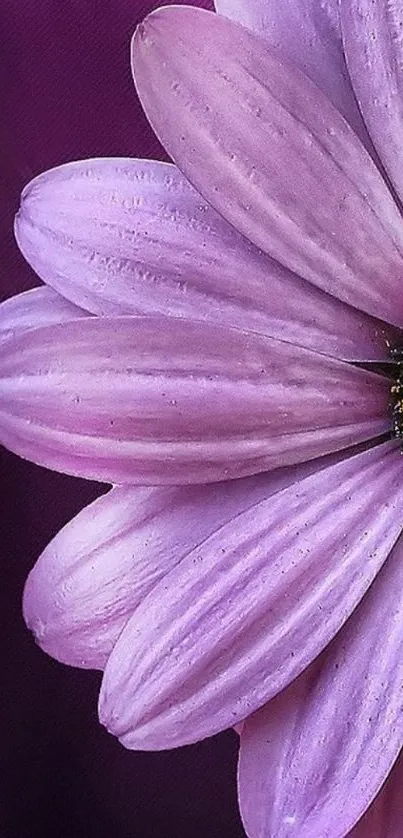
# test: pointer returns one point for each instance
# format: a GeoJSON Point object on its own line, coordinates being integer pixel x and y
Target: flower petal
{"type": "Point", "coordinates": [120, 236]}
{"type": "Point", "coordinates": [372, 35]}
{"type": "Point", "coordinates": [37, 307]}
{"type": "Point", "coordinates": [242, 615]}
{"type": "Point", "coordinates": [308, 33]}
{"type": "Point", "coordinates": [101, 565]}
{"type": "Point", "coordinates": [153, 400]}
{"type": "Point", "coordinates": [384, 818]}
{"type": "Point", "coordinates": [313, 759]}
{"type": "Point", "coordinates": [268, 150]}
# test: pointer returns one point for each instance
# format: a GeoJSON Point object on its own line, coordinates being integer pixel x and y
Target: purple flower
{"type": "Point", "coordinates": [220, 352]}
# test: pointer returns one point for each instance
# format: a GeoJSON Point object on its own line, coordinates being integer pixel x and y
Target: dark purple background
{"type": "Point", "coordinates": [66, 93]}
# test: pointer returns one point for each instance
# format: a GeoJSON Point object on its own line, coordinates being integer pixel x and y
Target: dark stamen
{"type": "Point", "coordinates": [397, 394]}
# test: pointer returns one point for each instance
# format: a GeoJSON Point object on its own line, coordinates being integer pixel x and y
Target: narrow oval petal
{"type": "Point", "coordinates": [312, 760]}
{"type": "Point", "coordinates": [384, 818]}
{"type": "Point", "coordinates": [37, 307]}
{"type": "Point", "coordinates": [163, 400]}
{"type": "Point", "coordinates": [372, 35]}
{"type": "Point", "coordinates": [308, 33]}
{"type": "Point", "coordinates": [120, 236]}
{"type": "Point", "coordinates": [96, 571]}
{"type": "Point", "coordinates": [267, 149]}
{"type": "Point", "coordinates": [242, 615]}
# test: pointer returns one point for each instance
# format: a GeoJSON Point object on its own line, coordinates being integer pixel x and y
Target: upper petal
{"type": "Point", "coordinates": [313, 759]}
{"type": "Point", "coordinates": [242, 615]}
{"type": "Point", "coordinates": [372, 35]}
{"type": "Point", "coordinates": [155, 400]}
{"type": "Point", "coordinates": [307, 32]}
{"type": "Point", "coordinates": [267, 149]}
{"type": "Point", "coordinates": [101, 565]}
{"type": "Point", "coordinates": [121, 236]}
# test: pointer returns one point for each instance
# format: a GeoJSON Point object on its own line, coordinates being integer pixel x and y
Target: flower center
{"type": "Point", "coordinates": [397, 393]}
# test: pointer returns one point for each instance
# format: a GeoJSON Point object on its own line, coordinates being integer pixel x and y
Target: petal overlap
{"type": "Point", "coordinates": [242, 615]}
{"type": "Point", "coordinates": [372, 35]}
{"type": "Point", "coordinates": [268, 150]}
{"type": "Point", "coordinates": [312, 760]}
{"type": "Point", "coordinates": [95, 572]}
{"type": "Point", "coordinates": [308, 33]}
{"type": "Point", "coordinates": [92, 576]}
{"type": "Point", "coordinates": [120, 236]}
{"type": "Point", "coordinates": [34, 308]}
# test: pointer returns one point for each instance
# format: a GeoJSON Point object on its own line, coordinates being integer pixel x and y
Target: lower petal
{"type": "Point", "coordinates": [97, 570]}
{"type": "Point", "coordinates": [314, 758]}
{"type": "Point", "coordinates": [243, 614]}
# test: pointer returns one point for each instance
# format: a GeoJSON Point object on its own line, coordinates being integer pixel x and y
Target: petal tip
{"type": "Point", "coordinates": [145, 27]}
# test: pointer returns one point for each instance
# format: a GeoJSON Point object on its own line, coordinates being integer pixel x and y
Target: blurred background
{"type": "Point", "coordinates": [66, 93]}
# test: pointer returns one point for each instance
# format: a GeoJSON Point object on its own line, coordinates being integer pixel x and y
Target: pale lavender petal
{"type": "Point", "coordinates": [37, 307]}
{"type": "Point", "coordinates": [242, 615]}
{"type": "Point", "coordinates": [88, 581]}
{"type": "Point", "coordinates": [308, 33]}
{"type": "Point", "coordinates": [120, 236]}
{"type": "Point", "coordinates": [384, 818]}
{"type": "Point", "coordinates": [372, 35]}
{"type": "Point", "coordinates": [268, 150]}
{"type": "Point", "coordinates": [313, 759]}
{"type": "Point", "coordinates": [154, 400]}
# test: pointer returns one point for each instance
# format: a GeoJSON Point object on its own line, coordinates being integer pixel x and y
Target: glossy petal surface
{"type": "Point", "coordinates": [313, 759]}
{"type": "Point", "coordinates": [165, 400]}
{"type": "Point", "coordinates": [267, 149]}
{"type": "Point", "coordinates": [372, 34]}
{"type": "Point", "coordinates": [308, 33]}
{"type": "Point", "coordinates": [242, 615]}
{"type": "Point", "coordinates": [121, 236]}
